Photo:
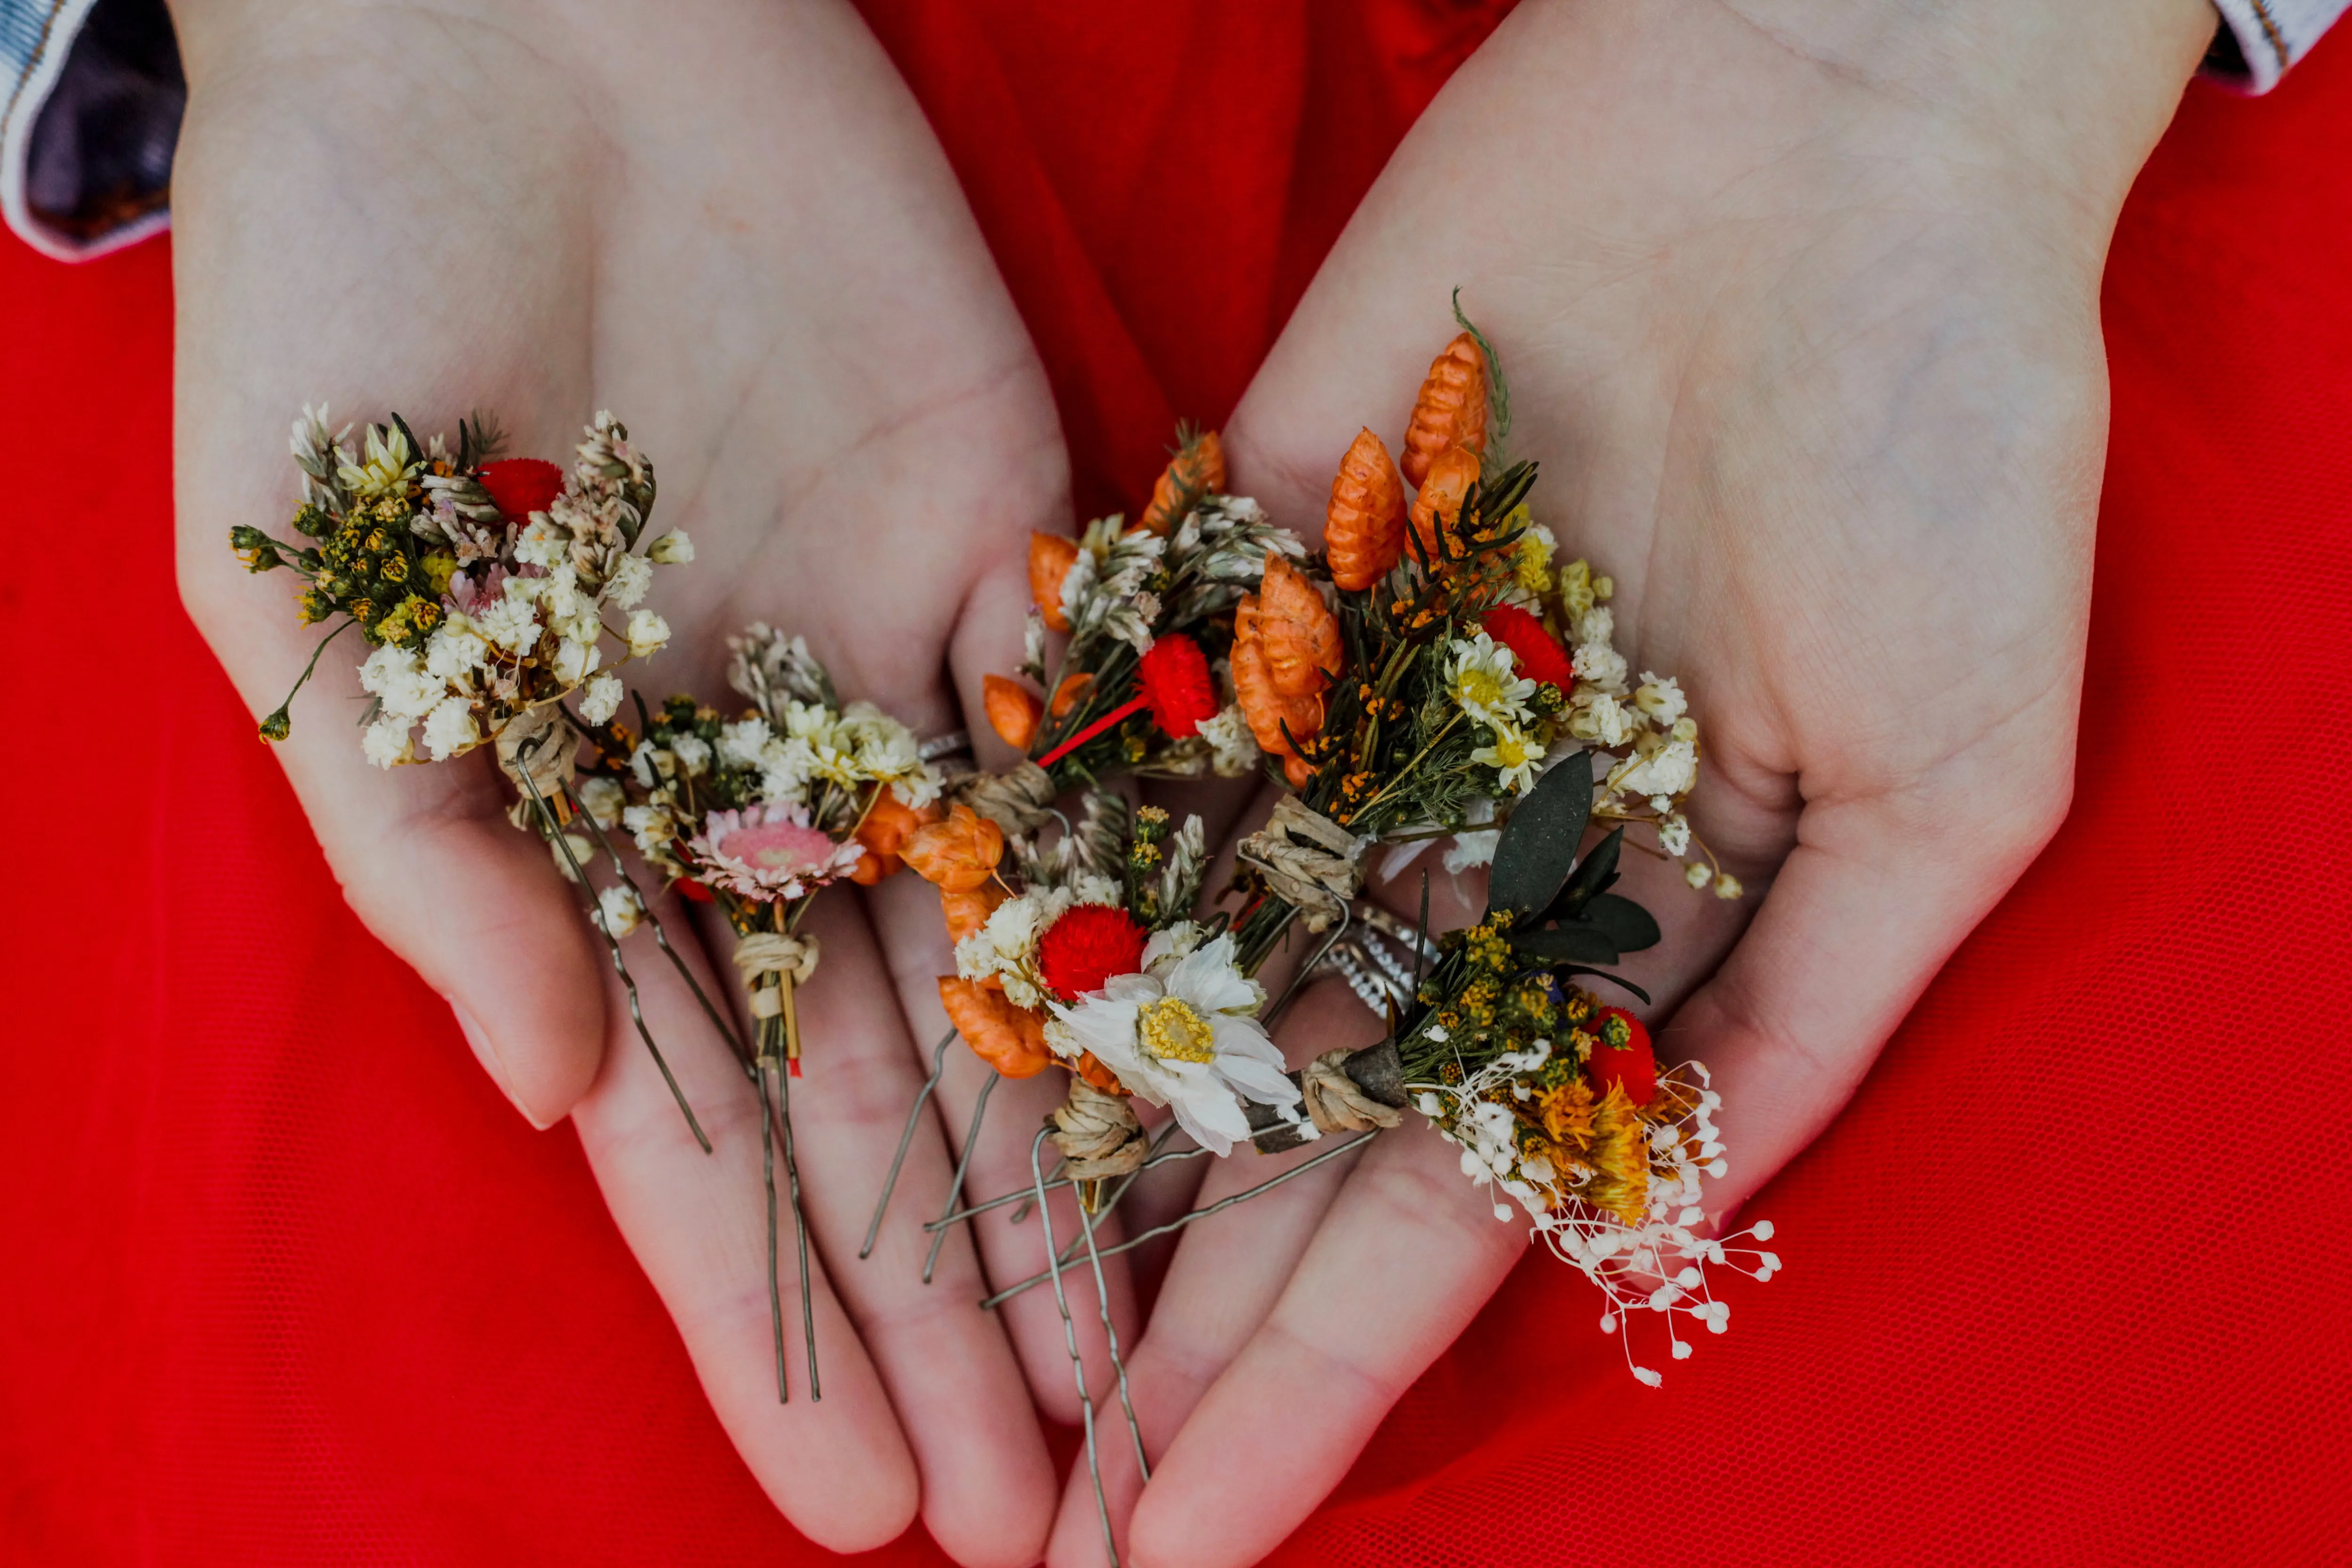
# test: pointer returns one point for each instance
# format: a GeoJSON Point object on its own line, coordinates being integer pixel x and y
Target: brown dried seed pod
{"type": "Point", "coordinates": [1012, 711]}
{"type": "Point", "coordinates": [1050, 555]}
{"type": "Point", "coordinates": [1198, 471]}
{"type": "Point", "coordinates": [1298, 631]}
{"type": "Point", "coordinates": [1451, 410]}
{"type": "Point", "coordinates": [1363, 530]}
{"type": "Point", "coordinates": [1442, 489]}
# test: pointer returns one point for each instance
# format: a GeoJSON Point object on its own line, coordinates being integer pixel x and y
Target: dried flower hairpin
{"type": "Point", "coordinates": [758, 815]}
{"type": "Point", "coordinates": [482, 586]}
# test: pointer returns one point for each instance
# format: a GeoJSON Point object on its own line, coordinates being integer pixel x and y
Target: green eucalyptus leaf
{"type": "Point", "coordinates": [1629, 925]}
{"type": "Point", "coordinates": [1565, 970]}
{"type": "Point", "coordinates": [1591, 878]}
{"type": "Point", "coordinates": [1537, 847]}
{"type": "Point", "coordinates": [1578, 941]}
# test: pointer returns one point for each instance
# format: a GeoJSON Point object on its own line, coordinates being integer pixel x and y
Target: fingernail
{"type": "Point", "coordinates": [487, 1054]}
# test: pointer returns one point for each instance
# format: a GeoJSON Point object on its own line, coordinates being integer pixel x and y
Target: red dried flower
{"type": "Point", "coordinates": [522, 486]}
{"type": "Point", "coordinates": [1622, 1056]}
{"type": "Point", "coordinates": [1086, 947]}
{"type": "Point", "coordinates": [1176, 685]}
{"type": "Point", "coordinates": [1535, 651]}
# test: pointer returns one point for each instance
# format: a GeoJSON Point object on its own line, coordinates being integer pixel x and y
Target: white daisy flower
{"type": "Point", "coordinates": [1183, 1033]}
{"type": "Point", "coordinates": [1480, 678]}
{"type": "Point", "coordinates": [1515, 755]}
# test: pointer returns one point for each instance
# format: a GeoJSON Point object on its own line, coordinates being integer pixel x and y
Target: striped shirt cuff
{"type": "Point", "coordinates": [90, 97]}
{"type": "Point", "coordinates": [2260, 38]}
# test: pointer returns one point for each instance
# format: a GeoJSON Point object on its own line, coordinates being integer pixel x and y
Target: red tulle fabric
{"type": "Point", "coordinates": [283, 1279]}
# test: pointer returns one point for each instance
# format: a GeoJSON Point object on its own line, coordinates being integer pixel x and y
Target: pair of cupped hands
{"type": "Point", "coordinates": [1799, 300]}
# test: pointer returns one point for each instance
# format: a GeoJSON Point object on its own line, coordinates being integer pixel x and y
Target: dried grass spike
{"type": "Point", "coordinates": [1197, 470]}
{"type": "Point", "coordinates": [1050, 556]}
{"type": "Point", "coordinates": [1364, 528]}
{"type": "Point", "coordinates": [1443, 491]}
{"type": "Point", "coordinates": [1451, 410]}
{"type": "Point", "coordinates": [1299, 634]}
{"type": "Point", "coordinates": [1012, 711]}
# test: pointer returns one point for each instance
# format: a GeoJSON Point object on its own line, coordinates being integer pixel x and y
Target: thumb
{"type": "Point", "coordinates": [429, 862]}
{"type": "Point", "coordinates": [1878, 892]}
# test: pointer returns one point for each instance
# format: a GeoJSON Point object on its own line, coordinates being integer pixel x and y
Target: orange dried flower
{"type": "Point", "coordinates": [1297, 629]}
{"type": "Point", "coordinates": [1010, 1039]}
{"type": "Point", "coordinates": [1266, 708]}
{"type": "Point", "coordinates": [1089, 1067]}
{"type": "Point", "coordinates": [1451, 410]}
{"type": "Point", "coordinates": [1363, 530]}
{"type": "Point", "coordinates": [883, 832]}
{"type": "Point", "coordinates": [1443, 491]}
{"type": "Point", "coordinates": [1071, 692]}
{"type": "Point", "coordinates": [958, 854]}
{"type": "Point", "coordinates": [1198, 471]}
{"type": "Point", "coordinates": [1050, 558]}
{"type": "Point", "coordinates": [1012, 711]}
{"type": "Point", "coordinates": [966, 912]}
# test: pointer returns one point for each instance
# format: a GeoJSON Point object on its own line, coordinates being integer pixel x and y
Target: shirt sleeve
{"type": "Point", "coordinates": [92, 95]}
{"type": "Point", "coordinates": [2260, 38]}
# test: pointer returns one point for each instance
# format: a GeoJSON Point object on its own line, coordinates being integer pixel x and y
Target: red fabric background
{"type": "Point", "coordinates": [281, 1279]}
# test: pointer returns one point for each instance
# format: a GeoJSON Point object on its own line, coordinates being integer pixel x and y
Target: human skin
{"type": "Point", "coordinates": [729, 224]}
{"type": "Point", "coordinates": [1799, 303]}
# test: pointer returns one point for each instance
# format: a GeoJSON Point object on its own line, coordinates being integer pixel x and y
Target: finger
{"type": "Point", "coordinates": [1861, 916]}
{"type": "Point", "coordinates": [988, 1485]}
{"type": "Point", "coordinates": [1405, 1257]}
{"type": "Point", "coordinates": [1224, 1279]}
{"type": "Point", "coordinates": [837, 1468]}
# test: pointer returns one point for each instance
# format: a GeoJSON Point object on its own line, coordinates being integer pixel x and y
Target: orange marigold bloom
{"type": "Point", "coordinates": [1010, 1039]}
{"type": "Point", "coordinates": [883, 832]}
{"type": "Point", "coordinates": [1012, 711]}
{"type": "Point", "coordinates": [1198, 471]}
{"type": "Point", "coordinates": [1364, 528]}
{"type": "Point", "coordinates": [1050, 558]}
{"type": "Point", "coordinates": [1444, 488]}
{"type": "Point", "coordinates": [1297, 629]}
{"type": "Point", "coordinates": [958, 854]}
{"type": "Point", "coordinates": [1451, 410]}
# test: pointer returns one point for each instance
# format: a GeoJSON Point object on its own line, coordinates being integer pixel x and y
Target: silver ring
{"type": "Point", "coordinates": [955, 742]}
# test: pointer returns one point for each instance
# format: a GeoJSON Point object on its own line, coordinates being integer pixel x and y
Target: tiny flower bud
{"type": "Point", "coordinates": [672, 549]}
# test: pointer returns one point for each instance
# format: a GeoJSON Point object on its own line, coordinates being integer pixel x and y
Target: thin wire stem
{"type": "Point", "coordinates": [1181, 1221]}
{"type": "Point", "coordinates": [719, 1020]}
{"type": "Point", "coordinates": [613, 946]}
{"type": "Point", "coordinates": [1119, 1192]}
{"type": "Point", "coordinates": [914, 1116]}
{"type": "Point", "coordinates": [800, 1229]}
{"type": "Point", "coordinates": [1086, 1223]}
{"type": "Point", "coordinates": [1070, 1339]}
{"type": "Point", "coordinates": [768, 1172]}
{"type": "Point", "coordinates": [1024, 1195]}
{"type": "Point", "coordinates": [963, 1165]}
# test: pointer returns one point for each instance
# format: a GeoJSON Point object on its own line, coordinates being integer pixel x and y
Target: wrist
{"type": "Point", "coordinates": [2072, 94]}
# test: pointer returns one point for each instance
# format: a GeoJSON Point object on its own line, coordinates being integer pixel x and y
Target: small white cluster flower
{"type": "Point", "coordinates": [1233, 749]}
{"type": "Point", "coordinates": [1658, 1265]}
{"type": "Point", "coordinates": [619, 910]}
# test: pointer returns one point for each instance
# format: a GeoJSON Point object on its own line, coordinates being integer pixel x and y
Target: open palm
{"type": "Point", "coordinates": [729, 225]}
{"type": "Point", "coordinates": [1803, 328]}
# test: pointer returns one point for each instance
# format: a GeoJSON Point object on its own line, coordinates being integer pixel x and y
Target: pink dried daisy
{"type": "Point", "coordinates": [770, 853]}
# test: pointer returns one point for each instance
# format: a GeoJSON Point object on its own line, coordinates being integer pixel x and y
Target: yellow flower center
{"type": "Point", "coordinates": [1173, 1031]}
{"type": "Point", "coordinates": [1480, 688]}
